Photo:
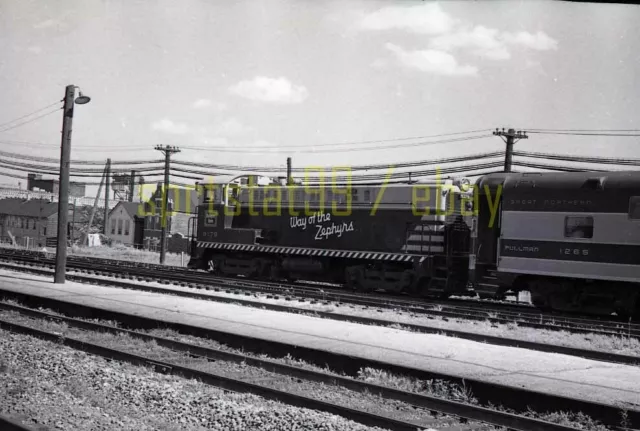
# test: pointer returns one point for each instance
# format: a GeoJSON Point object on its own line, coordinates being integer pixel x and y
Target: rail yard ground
{"type": "Point", "coordinates": [570, 376]}
{"type": "Point", "coordinates": [607, 343]}
{"type": "Point", "coordinates": [118, 252]}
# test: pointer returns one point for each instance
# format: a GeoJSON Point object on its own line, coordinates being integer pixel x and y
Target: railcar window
{"type": "Point", "coordinates": [634, 208]}
{"type": "Point", "coordinates": [578, 227]}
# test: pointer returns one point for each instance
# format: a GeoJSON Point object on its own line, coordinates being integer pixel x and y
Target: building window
{"type": "Point", "coordinates": [367, 195]}
{"type": "Point", "coordinates": [634, 207]}
{"type": "Point", "coordinates": [119, 226]}
{"type": "Point", "coordinates": [113, 227]}
{"type": "Point", "coordinates": [126, 227]}
{"type": "Point", "coordinates": [578, 227]}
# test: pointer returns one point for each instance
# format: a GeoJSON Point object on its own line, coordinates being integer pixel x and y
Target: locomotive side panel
{"type": "Point", "coordinates": [386, 231]}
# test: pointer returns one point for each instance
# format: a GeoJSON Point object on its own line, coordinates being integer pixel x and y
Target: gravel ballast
{"type": "Point", "coordinates": [48, 384]}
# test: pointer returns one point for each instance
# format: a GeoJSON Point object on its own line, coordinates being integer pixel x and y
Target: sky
{"type": "Point", "coordinates": [252, 82]}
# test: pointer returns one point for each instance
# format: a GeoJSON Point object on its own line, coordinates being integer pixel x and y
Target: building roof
{"type": "Point", "coordinates": [28, 208]}
{"type": "Point", "coordinates": [132, 208]}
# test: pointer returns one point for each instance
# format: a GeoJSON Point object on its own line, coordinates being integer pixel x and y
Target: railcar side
{"type": "Point", "coordinates": [571, 239]}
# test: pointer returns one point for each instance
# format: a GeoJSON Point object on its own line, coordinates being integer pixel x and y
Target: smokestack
{"type": "Point", "coordinates": [289, 179]}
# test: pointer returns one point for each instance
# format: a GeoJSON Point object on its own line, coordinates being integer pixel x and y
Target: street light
{"type": "Point", "coordinates": [63, 184]}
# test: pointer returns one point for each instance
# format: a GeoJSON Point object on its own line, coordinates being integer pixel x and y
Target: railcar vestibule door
{"type": "Point", "coordinates": [488, 226]}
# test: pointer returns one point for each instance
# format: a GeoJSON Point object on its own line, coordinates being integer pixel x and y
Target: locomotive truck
{"type": "Point", "coordinates": [571, 239]}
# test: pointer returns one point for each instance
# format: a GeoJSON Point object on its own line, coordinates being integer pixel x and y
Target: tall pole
{"type": "Point", "coordinates": [63, 199]}
{"type": "Point", "coordinates": [289, 179]}
{"type": "Point", "coordinates": [511, 135]}
{"type": "Point", "coordinates": [167, 151]}
{"type": "Point", "coordinates": [132, 185]}
{"type": "Point", "coordinates": [95, 205]}
{"type": "Point", "coordinates": [73, 221]}
{"type": "Point", "coordinates": [106, 196]}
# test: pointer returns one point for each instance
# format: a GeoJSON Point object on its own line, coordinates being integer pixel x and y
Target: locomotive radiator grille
{"type": "Point", "coordinates": [397, 257]}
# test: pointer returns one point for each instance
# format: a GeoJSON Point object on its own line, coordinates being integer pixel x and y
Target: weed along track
{"type": "Point", "coordinates": [402, 398]}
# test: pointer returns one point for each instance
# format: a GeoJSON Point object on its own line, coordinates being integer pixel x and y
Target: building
{"type": "Point", "coordinates": [125, 224]}
{"type": "Point", "coordinates": [183, 203]}
{"type": "Point", "coordinates": [31, 222]}
{"type": "Point", "coordinates": [52, 186]}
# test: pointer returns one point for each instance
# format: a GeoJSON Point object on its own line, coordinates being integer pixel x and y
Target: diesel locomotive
{"type": "Point", "coordinates": [570, 239]}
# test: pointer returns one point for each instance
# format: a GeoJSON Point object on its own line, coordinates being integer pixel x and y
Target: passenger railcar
{"type": "Point", "coordinates": [400, 238]}
{"type": "Point", "coordinates": [571, 239]}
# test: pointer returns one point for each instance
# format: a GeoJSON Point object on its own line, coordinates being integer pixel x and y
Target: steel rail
{"type": "Point", "coordinates": [533, 321]}
{"type": "Point", "coordinates": [596, 355]}
{"type": "Point", "coordinates": [8, 424]}
{"type": "Point", "coordinates": [482, 313]}
{"type": "Point", "coordinates": [212, 379]}
{"type": "Point", "coordinates": [485, 392]}
{"type": "Point", "coordinates": [442, 406]}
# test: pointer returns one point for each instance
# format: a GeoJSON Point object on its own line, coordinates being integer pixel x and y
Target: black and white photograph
{"type": "Point", "coordinates": [332, 215]}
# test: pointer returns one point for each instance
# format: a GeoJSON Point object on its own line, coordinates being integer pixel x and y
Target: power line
{"type": "Point", "coordinates": [29, 114]}
{"type": "Point", "coordinates": [397, 165]}
{"type": "Point", "coordinates": [79, 162]}
{"type": "Point", "coordinates": [581, 159]}
{"type": "Point", "coordinates": [584, 130]}
{"type": "Point", "coordinates": [584, 134]}
{"type": "Point", "coordinates": [310, 150]}
{"type": "Point", "coordinates": [30, 120]}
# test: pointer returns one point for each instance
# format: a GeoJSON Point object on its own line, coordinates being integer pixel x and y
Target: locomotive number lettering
{"type": "Point", "coordinates": [210, 234]}
{"type": "Point", "coordinates": [574, 251]}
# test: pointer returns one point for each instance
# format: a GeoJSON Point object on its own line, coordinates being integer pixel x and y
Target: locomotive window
{"type": "Point", "coordinates": [634, 208]}
{"type": "Point", "coordinates": [578, 227]}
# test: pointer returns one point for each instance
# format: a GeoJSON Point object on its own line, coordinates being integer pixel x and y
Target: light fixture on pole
{"type": "Point", "coordinates": [63, 184]}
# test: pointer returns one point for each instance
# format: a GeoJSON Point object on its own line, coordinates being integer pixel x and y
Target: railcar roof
{"type": "Point", "coordinates": [563, 180]}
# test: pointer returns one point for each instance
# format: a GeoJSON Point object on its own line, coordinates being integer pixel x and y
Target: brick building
{"type": "Point", "coordinates": [31, 222]}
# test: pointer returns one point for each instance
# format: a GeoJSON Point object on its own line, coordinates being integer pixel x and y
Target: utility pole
{"type": "Point", "coordinates": [167, 151]}
{"type": "Point", "coordinates": [63, 191]}
{"type": "Point", "coordinates": [106, 196]}
{"type": "Point", "coordinates": [95, 205]}
{"type": "Point", "coordinates": [511, 135]}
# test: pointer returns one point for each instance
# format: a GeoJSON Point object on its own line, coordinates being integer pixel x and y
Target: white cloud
{"type": "Point", "coordinates": [492, 43]}
{"type": "Point", "coordinates": [270, 90]}
{"type": "Point", "coordinates": [167, 126]}
{"type": "Point", "coordinates": [484, 41]}
{"type": "Point", "coordinates": [202, 103]}
{"type": "Point", "coordinates": [539, 41]}
{"type": "Point", "coordinates": [430, 60]}
{"type": "Point", "coordinates": [34, 49]}
{"type": "Point", "coordinates": [427, 18]}
{"type": "Point", "coordinates": [446, 35]}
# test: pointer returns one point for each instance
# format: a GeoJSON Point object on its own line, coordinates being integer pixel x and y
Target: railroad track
{"type": "Point", "coordinates": [8, 424]}
{"type": "Point", "coordinates": [523, 316]}
{"type": "Point", "coordinates": [439, 413]}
